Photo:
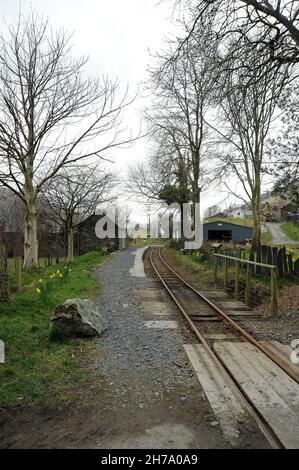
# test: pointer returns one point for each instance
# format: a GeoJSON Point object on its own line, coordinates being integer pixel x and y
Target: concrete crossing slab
{"type": "Point", "coordinates": [157, 308]}
{"type": "Point", "coordinates": [151, 294]}
{"type": "Point", "coordinates": [234, 305]}
{"type": "Point", "coordinates": [162, 324]}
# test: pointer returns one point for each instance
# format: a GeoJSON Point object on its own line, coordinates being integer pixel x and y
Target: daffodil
{"type": "Point", "coordinates": [60, 275]}
{"type": "Point", "coordinates": [40, 281]}
{"type": "Point", "coordinates": [38, 291]}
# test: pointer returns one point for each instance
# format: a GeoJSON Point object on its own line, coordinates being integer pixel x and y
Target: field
{"type": "Point", "coordinates": [230, 220]}
{"type": "Point", "coordinates": [291, 230]}
{"type": "Point", "coordinates": [35, 367]}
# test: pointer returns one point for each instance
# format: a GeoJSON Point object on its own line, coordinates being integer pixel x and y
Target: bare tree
{"type": "Point", "coordinates": [245, 119]}
{"type": "Point", "coordinates": [183, 95]}
{"type": "Point", "coordinates": [75, 194]}
{"type": "Point", "coordinates": [284, 148]}
{"type": "Point", "coordinates": [163, 177]}
{"type": "Point", "coordinates": [147, 179]}
{"type": "Point", "coordinates": [52, 115]}
{"type": "Point", "coordinates": [257, 25]}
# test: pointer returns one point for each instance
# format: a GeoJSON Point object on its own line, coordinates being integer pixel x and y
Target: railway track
{"type": "Point", "coordinates": [189, 301]}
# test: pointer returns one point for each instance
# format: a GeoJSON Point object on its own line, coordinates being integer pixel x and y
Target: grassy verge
{"type": "Point", "coordinates": [266, 236]}
{"type": "Point", "coordinates": [140, 242]}
{"type": "Point", "coordinates": [291, 230]}
{"type": "Point", "coordinates": [35, 368]}
{"type": "Point", "coordinates": [200, 271]}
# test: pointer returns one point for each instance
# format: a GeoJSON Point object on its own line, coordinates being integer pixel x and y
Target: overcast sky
{"type": "Point", "coordinates": [117, 36]}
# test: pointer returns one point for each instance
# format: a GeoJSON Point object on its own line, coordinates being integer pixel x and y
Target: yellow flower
{"type": "Point", "coordinates": [70, 270]}
{"type": "Point", "coordinates": [40, 281]}
{"type": "Point", "coordinates": [57, 272]}
{"type": "Point", "coordinates": [60, 275]}
{"type": "Point", "coordinates": [38, 291]}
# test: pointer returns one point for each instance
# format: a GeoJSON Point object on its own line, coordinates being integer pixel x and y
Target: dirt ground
{"type": "Point", "coordinates": [142, 391]}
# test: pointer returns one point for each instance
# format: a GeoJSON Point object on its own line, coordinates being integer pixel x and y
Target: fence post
{"type": "Point", "coordinates": [247, 287]}
{"type": "Point", "coordinates": [18, 265]}
{"type": "Point", "coordinates": [225, 274]}
{"type": "Point", "coordinates": [4, 285]}
{"type": "Point", "coordinates": [237, 280]}
{"type": "Point", "coordinates": [215, 269]}
{"type": "Point", "coordinates": [274, 306]}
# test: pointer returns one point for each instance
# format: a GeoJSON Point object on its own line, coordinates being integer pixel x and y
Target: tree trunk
{"type": "Point", "coordinates": [30, 231]}
{"type": "Point", "coordinates": [256, 236]}
{"type": "Point", "coordinates": [70, 244]}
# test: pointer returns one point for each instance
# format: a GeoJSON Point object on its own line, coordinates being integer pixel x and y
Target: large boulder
{"type": "Point", "coordinates": [77, 318]}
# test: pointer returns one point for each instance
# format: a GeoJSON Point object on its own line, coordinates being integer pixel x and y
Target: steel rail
{"type": "Point", "coordinates": [278, 360]}
{"type": "Point", "coordinates": [238, 392]}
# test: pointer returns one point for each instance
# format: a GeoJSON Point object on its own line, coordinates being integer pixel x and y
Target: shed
{"type": "Point", "coordinates": [226, 232]}
{"type": "Point", "coordinates": [86, 239]}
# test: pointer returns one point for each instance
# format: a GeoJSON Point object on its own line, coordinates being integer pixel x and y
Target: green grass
{"type": "Point", "coordinates": [36, 368]}
{"type": "Point", "coordinates": [203, 271]}
{"type": "Point", "coordinates": [294, 251]}
{"type": "Point", "coordinates": [291, 230]}
{"type": "Point", "coordinates": [230, 220]}
{"type": "Point", "coordinates": [140, 242]}
{"type": "Point", "coordinates": [266, 236]}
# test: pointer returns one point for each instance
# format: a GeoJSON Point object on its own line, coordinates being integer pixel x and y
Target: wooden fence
{"type": "Point", "coordinates": [239, 263]}
{"type": "Point", "coordinates": [266, 255]}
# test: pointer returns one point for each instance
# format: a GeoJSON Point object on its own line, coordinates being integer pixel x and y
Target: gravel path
{"type": "Point", "coordinates": [150, 389]}
{"type": "Point", "coordinates": [154, 399]}
{"type": "Point", "coordinates": [278, 236]}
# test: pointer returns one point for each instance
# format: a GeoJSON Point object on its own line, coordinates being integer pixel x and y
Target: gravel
{"type": "Point", "coordinates": [128, 345]}
{"type": "Point", "coordinates": [147, 381]}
